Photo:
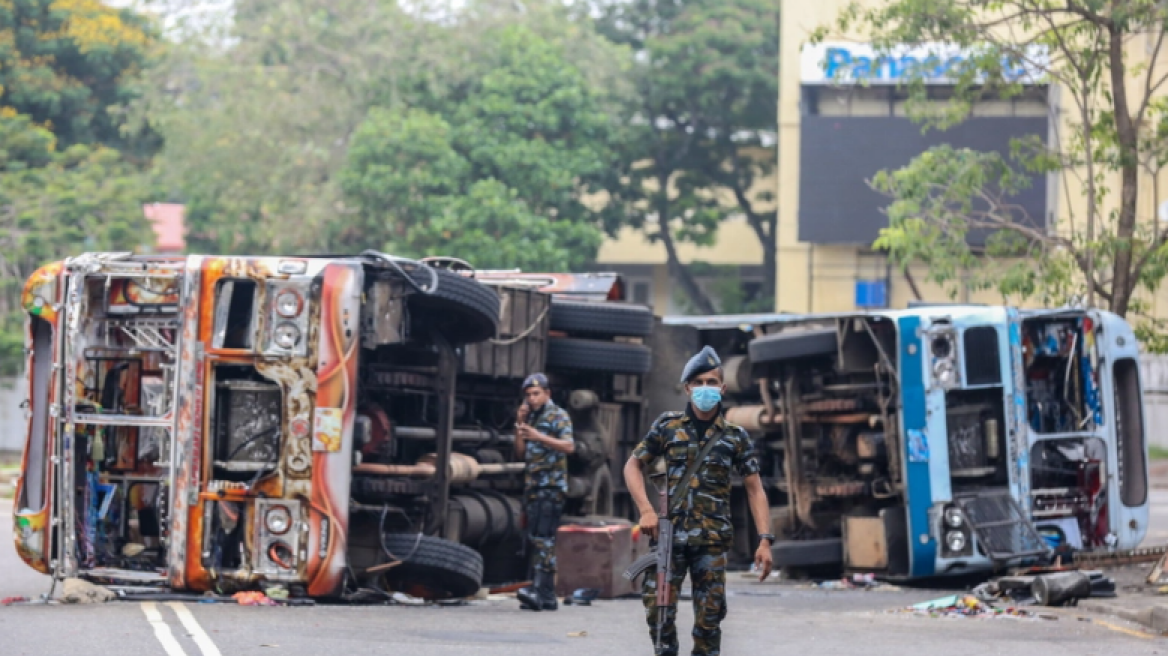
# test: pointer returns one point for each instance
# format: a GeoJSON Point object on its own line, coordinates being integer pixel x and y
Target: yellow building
{"type": "Point", "coordinates": [832, 136]}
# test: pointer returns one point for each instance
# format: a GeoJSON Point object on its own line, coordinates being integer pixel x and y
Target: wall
{"type": "Point", "coordinates": [1154, 377]}
{"type": "Point", "coordinates": [12, 395]}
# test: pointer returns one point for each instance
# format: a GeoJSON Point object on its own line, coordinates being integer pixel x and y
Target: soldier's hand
{"type": "Point", "coordinates": [763, 561]}
{"type": "Point", "coordinates": [649, 524]}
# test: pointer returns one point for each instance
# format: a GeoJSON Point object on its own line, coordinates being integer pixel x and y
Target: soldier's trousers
{"type": "Point", "coordinates": [543, 508]}
{"type": "Point", "coordinates": [706, 566]}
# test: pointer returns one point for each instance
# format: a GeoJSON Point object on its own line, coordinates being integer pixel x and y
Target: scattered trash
{"type": "Point", "coordinates": [273, 646]}
{"type": "Point", "coordinates": [577, 634]}
{"type": "Point", "coordinates": [78, 591]}
{"type": "Point", "coordinates": [277, 592]}
{"type": "Point", "coordinates": [963, 606]}
{"type": "Point", "coordinates": [854, 582]}
{"type": "Point", "coordinates": [8, 601]}
{"type": "Point", "coordinates": [253, 599]}
{"type": "Point", "coordinates": [407, 600]}
{"type": "Point", "coordinates": [582, 597]}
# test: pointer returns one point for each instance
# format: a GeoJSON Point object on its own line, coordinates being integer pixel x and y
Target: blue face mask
{"type": "Point", "coordinates": [705, 399]}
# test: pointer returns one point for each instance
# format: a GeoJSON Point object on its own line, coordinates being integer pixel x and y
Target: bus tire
{"type": "Point", "coordinates": [463, 309]}
{"type": "Point", "coordinates": [792, 345]}
{"type": "Point", "coordinates": [601, 319]}
{"type": "Point", "coordinates": [431, 567]}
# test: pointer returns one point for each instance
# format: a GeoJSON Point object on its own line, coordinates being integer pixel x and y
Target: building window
{"type": "Point", "coordinates": [642, 293]}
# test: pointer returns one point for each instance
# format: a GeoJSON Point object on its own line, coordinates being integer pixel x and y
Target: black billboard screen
{"type": "Point", "coordinates": [839, 154]}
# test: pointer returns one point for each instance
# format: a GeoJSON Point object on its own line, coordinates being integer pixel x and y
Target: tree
{"type": "Point", "coordinates": [1114, 126]}
{"type": "Point", "coordinates": [71, 65]}
{"type": "Point", "coordinates": [70, 168]}
{"type": "Point", "coordinates": [57, 203]}
{"type": "Point", "coordinates": [496, 172]}
{"type": "Point", "coordinates": [699, 132]}
{"type": "Point", "coordinates": [270, 180]}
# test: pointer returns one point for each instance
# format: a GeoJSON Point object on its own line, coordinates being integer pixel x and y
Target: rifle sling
{"type": "Point", "coordinates": [683, 484]}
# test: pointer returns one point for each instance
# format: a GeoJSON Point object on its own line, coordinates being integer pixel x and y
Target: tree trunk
{"type": "Point", "coordinates": [677, 269]}
{"type": "Point", "coordinates": [1123, 278]}
{"type": "Point", "coordinates": [764, 228]}
{"type": "Point", "coordinates": [770, 263]}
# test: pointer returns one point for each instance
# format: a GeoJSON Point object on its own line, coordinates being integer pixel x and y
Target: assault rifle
{"type": "Point", "coordinates": [661, 556]}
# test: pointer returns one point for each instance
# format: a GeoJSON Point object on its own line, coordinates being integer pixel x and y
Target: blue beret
{"type": "Point", "coordinates": [535, 380]}
{"type": "Point", "coordinates": [706, 360]}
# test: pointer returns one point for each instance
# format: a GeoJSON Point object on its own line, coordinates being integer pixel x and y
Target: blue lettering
{"type": "Point", "coordinates": [835, 59]}
{"type": "Point", "coordinates": [863, 68]}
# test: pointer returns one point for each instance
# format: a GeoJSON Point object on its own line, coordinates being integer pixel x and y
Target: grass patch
{"type": "Point", "coordinates": [1156, 452]}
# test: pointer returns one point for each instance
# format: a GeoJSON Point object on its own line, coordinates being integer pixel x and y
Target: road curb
{"type": "Point", "coordinates": [1153, 617]}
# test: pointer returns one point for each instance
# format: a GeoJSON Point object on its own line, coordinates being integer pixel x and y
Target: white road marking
{"type": "Point", "coordinates": [196, 632]}
{"type": "Point", "coordinates": [162, 630]}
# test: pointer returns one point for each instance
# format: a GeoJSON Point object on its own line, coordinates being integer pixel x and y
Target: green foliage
{"type": "Point", "coordinates": [70, 169]}
{"type": "Point", "coordinates": [1103, 255]}
{"type": "Point", "coordinates": [699, 128]}
{"type": "Point", "coordinates": [496, 174]}
{"type": "Point", "coordinates": [70, 65]}
{"type": "Point", "coordinates": [506, 130]}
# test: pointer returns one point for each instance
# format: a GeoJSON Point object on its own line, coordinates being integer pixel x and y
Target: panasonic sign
{"type": "Point", "coordinates": [933, 63]}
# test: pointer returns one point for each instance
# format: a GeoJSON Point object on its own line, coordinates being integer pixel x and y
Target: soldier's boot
{"type": "Point", "coordinates": [528, 597]}
{"type": "Point", "coordinates": [545, 583]}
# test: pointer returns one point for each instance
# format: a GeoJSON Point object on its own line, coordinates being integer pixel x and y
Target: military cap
{"type": "Point", "coordinates": [535, 380]}
{"type": "Point", "coordinates": [705, 360]}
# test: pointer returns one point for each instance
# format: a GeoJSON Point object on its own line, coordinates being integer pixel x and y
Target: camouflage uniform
{"type": "Point", "coordinates": [702, 529]}
{"type": "Point", "coordinates": [545, 483]}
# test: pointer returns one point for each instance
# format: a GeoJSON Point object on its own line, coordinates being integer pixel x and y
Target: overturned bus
{"type": "Point", "coordinates": [344, 426]}
{"type": "Point", "coordinates": [341, 426]}
{"type": "Point", "coordinates": [939, 440]}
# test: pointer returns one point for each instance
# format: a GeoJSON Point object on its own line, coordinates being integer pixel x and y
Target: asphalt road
{"type": "Point", "coordinates": [763, 618]}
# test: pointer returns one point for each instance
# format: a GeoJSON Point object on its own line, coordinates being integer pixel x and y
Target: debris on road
{"type": "Point", "coordinates": [582, 597]}
{"type": "Point", "coordinates": [578, 634]}
{"type": "Point", "coordinates": [854, 582]}
{"type": "Point", "coordinates": [8, 601]}
{"type": "Point", "coordinates": [78, 591]}
{"type": "Point", "coordinates": [253, 599]}
{"type": "Point", "coordinates": [964, 606]}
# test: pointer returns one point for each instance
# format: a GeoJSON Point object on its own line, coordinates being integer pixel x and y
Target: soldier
{"type": "Point", "coordinates": [543, 438]}
{"type": "Point", "coordinates": [702, 532]}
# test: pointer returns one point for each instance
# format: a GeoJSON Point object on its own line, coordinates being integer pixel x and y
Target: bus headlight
{"type": "Point", "coordinates": [286, 335]}
{"type": "Point", "coordinates": [955, 541]}
{"type": "Point", "coordinates": [288, 304]}
{"type": "Point", "coordinates": [954, 518]}
{"type": "Point", "coordinates": [278, 520]}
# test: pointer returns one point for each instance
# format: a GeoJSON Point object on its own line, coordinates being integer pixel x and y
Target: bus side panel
{"type": "Point", "coordinates": [332, 431]}
{"type": "Point", "coordinates": [923, 548]}
{"type": "Point", "coordinates": [34, 488]}
{"type": "Point", "coordinates": [34, 497]}
{"type": "Point", "coordinates": [1127, 445]}
{"type": "Point", "coordinates": [185, 455]}
{"type": "Point", "coordinates": [1017, 426]}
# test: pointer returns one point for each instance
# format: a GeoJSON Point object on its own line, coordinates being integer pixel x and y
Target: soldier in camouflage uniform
{"type": "Point", "coordinates": [543, 438]}
{"type": "Point", "coordinates": [703, 532]}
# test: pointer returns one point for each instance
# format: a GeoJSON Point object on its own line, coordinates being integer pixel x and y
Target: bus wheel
{"type": "Point", "coordinates": [463, 309]}
{"type": "Point", "coordinates": [792, 345]}
{"type": "Point", "coordinates": [431, 567]}
{"type": "Point", "coordinates": [601, 319]}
